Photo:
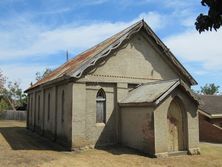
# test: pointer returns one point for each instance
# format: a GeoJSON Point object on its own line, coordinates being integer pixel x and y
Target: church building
{"type": "Point", "coordinates": [128, 90]}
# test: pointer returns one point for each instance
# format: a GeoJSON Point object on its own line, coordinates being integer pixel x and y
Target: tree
{"type": "Point", "coordinates": [14, 95]}
{"type": "Point", "coordinates": [2, 82]}
{"type": "Point", "coordinates": [11, 96]}
{"type": "Point", "coordinates": [210, 89]}
{"type": "Point", "coordinates": [213, 20]}
{"type": "Point", "coordinates": [4, 104]}
{"type": "Point", "coordinates": [40, 75]}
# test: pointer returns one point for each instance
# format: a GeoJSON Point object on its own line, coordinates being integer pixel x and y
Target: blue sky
{"type": "Point", "coordinates": [36, 34]}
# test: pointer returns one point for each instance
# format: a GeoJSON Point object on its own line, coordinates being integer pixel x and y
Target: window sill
{"type": "Point", "coordinates": [100, 124]}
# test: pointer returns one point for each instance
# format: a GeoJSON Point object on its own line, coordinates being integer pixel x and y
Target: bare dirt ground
{"type": "Point", "coordinates": [20, 147]}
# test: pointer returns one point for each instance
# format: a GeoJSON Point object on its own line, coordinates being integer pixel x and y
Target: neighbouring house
{"type": "Point", "coordinates": [210, 118]}
{"type": "Point", "coordinates": [129, 90]}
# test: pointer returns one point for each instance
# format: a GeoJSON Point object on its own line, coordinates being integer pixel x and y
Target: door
{"type": "Point", "coordinates": [175, 127]}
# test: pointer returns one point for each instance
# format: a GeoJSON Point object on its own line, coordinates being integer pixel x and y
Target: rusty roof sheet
{"type": "Point", "coordinates": [154, 92]}
{"type": "Point", "coordinates": [76, 66]}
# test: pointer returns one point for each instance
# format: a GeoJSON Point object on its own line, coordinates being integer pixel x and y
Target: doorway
{"type": "Point", "coordinates": [176, 126]}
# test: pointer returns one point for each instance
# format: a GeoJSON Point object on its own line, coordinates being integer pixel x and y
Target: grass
{"type": "Point", "coordinates": [20, 147]}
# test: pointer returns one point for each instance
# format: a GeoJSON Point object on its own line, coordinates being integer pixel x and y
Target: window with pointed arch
{"type": "Point", "coordinates": [101, 106]}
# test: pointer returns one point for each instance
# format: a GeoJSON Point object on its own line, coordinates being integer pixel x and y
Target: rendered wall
{"type": "Point", "coordinates": [64, 126]}
{"type": "Point", "coordinates": [46, 120]}
{"type": "Point", "coordinates": [138, 61]}
{"type": "Point", "coordinates": [137, 129]}
{"type": "Point", "coordinates": [161, 127]}
{"type": "Point", "coordinates": [85, 130]}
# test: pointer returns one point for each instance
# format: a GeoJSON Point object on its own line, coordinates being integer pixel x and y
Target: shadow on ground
{"type": "Point", "coordinates": [19, 138]}
{"type": "Point", "coordinates": [121, 150]}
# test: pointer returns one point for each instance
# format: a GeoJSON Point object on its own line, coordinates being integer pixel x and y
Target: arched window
{"type": "Point", "coordinates": [49, 106]}
{"type": "Point", "coordinates": [101, 107]}
{"type": "Point", "coordinates": [63, 105]}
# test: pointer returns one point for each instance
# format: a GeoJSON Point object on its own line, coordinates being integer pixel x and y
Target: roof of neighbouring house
{"type": "Point", "coordinates": [154, 92]}
{"type": "Point", "coordinates": [75, 67]}
{"type": "Point", "coordinates": [211, 105]}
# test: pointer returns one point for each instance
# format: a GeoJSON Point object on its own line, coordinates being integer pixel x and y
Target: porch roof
{"type": "Point", "coordinates": [153, 93]}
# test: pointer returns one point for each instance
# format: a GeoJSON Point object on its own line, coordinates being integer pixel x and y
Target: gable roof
{"type": "Point", "coordinates": [153, 93]}
{"type": "Point", "coordinates": [77, 65]}
{"type": "Point", "coordinates": [211, 105]}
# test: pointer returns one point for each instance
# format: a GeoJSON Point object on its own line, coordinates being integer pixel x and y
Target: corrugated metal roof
{"type": "Point", "coordinates": [150, 92]}
{"type": "Point", "coordinates": [154, 92]}
{"type": "Point", "coordinates": [73, 64]}
{"type": "Point", "coordinates": [76, 66]}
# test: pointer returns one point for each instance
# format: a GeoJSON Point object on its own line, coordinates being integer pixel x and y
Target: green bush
{"type": "Point", "coordinates": [4, 105]}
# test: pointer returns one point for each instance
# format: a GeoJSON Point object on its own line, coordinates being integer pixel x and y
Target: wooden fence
{"type": "Point", "coordinates": [13, 115]}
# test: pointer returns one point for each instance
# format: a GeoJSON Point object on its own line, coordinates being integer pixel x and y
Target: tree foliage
{"type": "Point", "coordinates": [213, 20]}
{"type": "Point", "coordinates": [40, 75]}
{"type": "Point", "coordinates": [210, 89]}
{"type": "Point", "coordinates": [2, 82]}
{"type": "Point", "coordinates": [11, 95]}
{"type": "Point", "coordinates": [14, 95]}
{"type": "Point", "coordinates": [4, 104]}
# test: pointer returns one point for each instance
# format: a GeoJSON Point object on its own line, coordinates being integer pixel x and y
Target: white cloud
{"type": "Point", "coordinates": [28, 40]}
{"type": "Point", "coordinates": [32, 40]}
{"type": "Point", "coordinates": [189, 21]}
{"type": "Point", "coordinates": [155, 20]}
{"type": "Point", "coordinates": [178, 4]}
{"type": "Point", "coordinates": [24, 74]}
{"type": "Point", "coordinates": [55, 11]}
{"type": "Point", "coordinates": [204, 48]}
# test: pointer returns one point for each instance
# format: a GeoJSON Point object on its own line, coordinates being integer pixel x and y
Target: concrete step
{"type": "Point", "coordinates": [177, 153]}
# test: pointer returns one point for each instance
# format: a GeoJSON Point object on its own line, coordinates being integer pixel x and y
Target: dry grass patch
{"type": "Point", "coordinates": [20, 147]}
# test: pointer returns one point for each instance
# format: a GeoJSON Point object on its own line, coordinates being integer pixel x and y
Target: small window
{"type": "Point", "coordinates": [49, 106]}
{"type": "Point", "coordinates": [63, 105]}
{"type": "Point", "coordinates": [101, 107]}
{"type": "Point", "coordinates": [38, 108]}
